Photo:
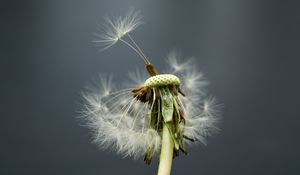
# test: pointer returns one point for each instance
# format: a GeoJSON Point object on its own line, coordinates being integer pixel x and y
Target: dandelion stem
{"type": "Point", "coordinates": [166, 153]}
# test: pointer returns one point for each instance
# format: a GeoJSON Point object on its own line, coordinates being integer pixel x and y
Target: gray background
{"type": "Point", "coordinates": [249, 50]}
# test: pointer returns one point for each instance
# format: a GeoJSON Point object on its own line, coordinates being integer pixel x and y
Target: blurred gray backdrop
{"type": "Point", "coordinates": [249, 50]}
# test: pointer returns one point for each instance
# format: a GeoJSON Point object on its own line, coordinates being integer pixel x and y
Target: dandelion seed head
{"type": "Point", "coordinates": [129, 121]}
{"type": "Point", "coordinates": [121, 122]}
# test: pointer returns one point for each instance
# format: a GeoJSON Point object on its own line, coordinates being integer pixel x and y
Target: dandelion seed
{"type": "Point", "coordinates": [160, 114]}
{"type": "Point", "coordinates": [137, 78]}
{"type": "Point", "coordinates": [115, 29]}
{"type": "Point", "coordinates": [174, 60]}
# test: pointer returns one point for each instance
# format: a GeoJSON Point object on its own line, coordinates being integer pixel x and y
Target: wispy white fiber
{"type": "Point", "coordinates": [137, 78]}
{"type": "Point", "coordinates": [175, 62]}
{"type": "Point", "coordinates": [202, 112]}
{"type": "Point", "coordinates": [118, 121]}
{"type": "Point", "coordinates": [202, 121]}
{"type": "Point", "coordinates": [193, 81]}
{"type": "Point", "coordinates": [114, 29]}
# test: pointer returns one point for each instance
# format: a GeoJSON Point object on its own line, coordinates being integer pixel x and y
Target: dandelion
{"type": "Point", "coordinates": [160, 114]}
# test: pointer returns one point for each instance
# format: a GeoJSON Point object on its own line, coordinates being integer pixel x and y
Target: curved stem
{"type": "Point", "coordinates": [166, 153]}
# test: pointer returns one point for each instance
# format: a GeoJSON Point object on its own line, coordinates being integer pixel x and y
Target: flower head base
{"type": "Point", "coordinates": [162, 80]}
{"type": "Point", "coordinates": [131, 120]}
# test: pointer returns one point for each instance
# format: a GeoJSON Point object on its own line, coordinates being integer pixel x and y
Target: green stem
{"type": "Point", "coordinates": [166, 153]}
